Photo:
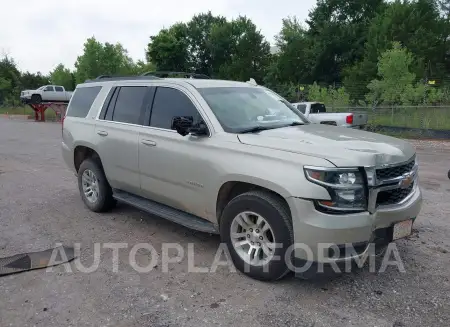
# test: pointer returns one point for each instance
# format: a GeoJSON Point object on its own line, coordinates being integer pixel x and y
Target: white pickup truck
{"type": "Point", "coordinates": [46, 93]}
{"type": "Point", "coordinates": [317, 113]}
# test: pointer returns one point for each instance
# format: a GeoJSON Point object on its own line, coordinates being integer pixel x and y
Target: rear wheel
{"type": "Point", "coordinates": [257, 228]}
{"type": "Point", "coordinates": [94, 187]}
{"type": "Point", "coordinates": [36, 98]}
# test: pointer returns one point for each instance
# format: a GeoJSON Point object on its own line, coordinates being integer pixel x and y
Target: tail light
{"type": "Point", "coordinates": [349, 119]}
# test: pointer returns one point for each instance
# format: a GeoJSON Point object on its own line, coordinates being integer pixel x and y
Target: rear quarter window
{"type": "Point", "coordinates": [82, 100]}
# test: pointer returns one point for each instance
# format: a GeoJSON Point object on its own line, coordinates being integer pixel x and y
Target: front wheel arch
{"type": "Point", "coordinates": [231, 189]}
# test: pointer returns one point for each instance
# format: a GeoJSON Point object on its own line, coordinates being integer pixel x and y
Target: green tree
{"type": "Point", "coordinates": [141, 67]}
{"type": "Point", "coordinates": [292, 62]}
{"type": "Point", "coordinates": [201, 48]}
{"type": "Point", "coordinates": [9, 81]}
{"type": "Point", "coordinates": [32, 81]}
{"type": "Point", "coordinates": [395, 85]}
{"type": "Point", "coordinates": [330, 96]}
{"type": "Point", "coordinates": [168, 50]}
{"type": "Point", "coordinates": [102, 59]}
{"type": "Point", "coordinates": [63, 76]}
{"type": "Point", "coordinates": [338, 31]}
{"type": "Point", "coordinates": [248, 52]}
{"type": "Point", "coordinates": [417, 25]}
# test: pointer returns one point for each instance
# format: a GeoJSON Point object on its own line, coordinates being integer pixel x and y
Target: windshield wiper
{"type": "Point", "coordinates": [254, 129]}
{"type": "Point", "coordinates": [296, 123]}
{"type": "Point", "coordinates": [260, 128]}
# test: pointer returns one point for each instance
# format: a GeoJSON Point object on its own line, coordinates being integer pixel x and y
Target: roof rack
{"type": "Point", "coordinates": [148, 75]}
{"type": "Point", "coordinates": [163, 74]}
{"type": "Point", "coordinates": [119, 78]}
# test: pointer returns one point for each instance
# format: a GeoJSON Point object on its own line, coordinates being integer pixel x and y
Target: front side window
{"type": "Point", "coordinates": [239, 109]}
{"type": "Point", "coordinates": [169, 103]}
{"type": "Point", "coordinates": [48, 88]}
{"type": "Point", "coordinates": [129, 104]}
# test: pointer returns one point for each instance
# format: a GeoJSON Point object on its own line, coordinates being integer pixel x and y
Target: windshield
{"type": "Point", "coordinates": [239, 109]}
{"type": "Point", "coordinates": [42, 87]}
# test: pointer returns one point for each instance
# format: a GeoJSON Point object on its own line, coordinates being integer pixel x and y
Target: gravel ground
{"type": "Point", "coordinates": [40, 206]}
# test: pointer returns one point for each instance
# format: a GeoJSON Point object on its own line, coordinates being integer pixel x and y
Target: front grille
{"type": "Point", "coordinates": [396, 171]}
{"type": "Point", "coordinates": [393, 196]}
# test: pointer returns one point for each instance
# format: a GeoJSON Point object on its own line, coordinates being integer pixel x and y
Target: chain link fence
{"type": "Point", "coordinates": [429, 121]}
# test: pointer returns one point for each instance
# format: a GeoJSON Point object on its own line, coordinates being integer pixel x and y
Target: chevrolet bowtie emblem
{"type": "Point", "coordinates": [406, 181]}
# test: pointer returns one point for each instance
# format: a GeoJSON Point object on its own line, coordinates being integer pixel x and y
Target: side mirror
{"type": "Point", "coordinates": [184, 125]}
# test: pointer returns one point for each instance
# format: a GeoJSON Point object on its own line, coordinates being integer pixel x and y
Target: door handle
{"type": "Point", "coordinates": [148, 142]}
{"type": "Point", "coordinates": [102, 133]}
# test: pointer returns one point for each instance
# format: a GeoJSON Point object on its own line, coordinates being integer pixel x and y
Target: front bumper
{"type": "Point", "coordinates": [315, 232]}
{"type": "Point", "coordinates": [25, 99]}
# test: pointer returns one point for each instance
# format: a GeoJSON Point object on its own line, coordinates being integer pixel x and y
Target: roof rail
{"type": "Point", "coordinates": [103, 76]}
{"type": "Point", "coordinates": [164, 74]}
{"type": "Point", "coordinates": [107, 78]}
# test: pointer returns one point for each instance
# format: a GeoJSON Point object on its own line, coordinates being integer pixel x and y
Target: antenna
{"type": "Point", "coordinates": [252, 82]}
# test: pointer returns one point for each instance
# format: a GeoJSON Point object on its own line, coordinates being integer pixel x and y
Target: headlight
{"type": "Point", "coordinates": [346, 187]}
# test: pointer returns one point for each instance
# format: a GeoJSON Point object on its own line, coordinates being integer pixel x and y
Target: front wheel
{"type": "Point", "coordinates": [257, 228]}
{"type": "Point", "coordinates": [36, 99]}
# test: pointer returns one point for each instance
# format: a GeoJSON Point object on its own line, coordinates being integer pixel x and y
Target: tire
{"type": "Point", "coordinates": [104, 200]}
{"type": "Point", "coordinates": [276, 213]}
{"type": "Point", "coordinates": [36, 98]}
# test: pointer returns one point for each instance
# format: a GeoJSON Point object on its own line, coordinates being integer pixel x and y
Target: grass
{"type": "Point", "coordinates": [413, 117]}
{"type": "Point", "coordinates": [26, 110]}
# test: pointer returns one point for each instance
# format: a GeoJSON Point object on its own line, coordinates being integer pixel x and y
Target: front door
{"type": "Point", "coordinates": [174, 169]}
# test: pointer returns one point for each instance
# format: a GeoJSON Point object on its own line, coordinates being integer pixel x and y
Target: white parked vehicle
{"type": "Point", "coordinates": [46, 93]}
{"type": "Point", "coordinates": [317, 113]}
{"type": "Point", "coordinates": [238, 160]}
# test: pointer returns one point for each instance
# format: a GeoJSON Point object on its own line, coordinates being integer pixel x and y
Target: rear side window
{"type": "Point", "coordinates": [318, 108]}
{"type": "Point", "coordinates": [82, 100]}
{"type": "Point", "coordinates": [58, 88]}
{"type": "Point", "coordinates": [129, 104]}
{"type": "Point", "coordinates": [169, 103]}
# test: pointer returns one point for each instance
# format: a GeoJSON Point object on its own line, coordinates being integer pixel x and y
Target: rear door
{"type": "Point", "coordinates": [60, 95]}
{"type": "Point", "coordinates": [117, 133]}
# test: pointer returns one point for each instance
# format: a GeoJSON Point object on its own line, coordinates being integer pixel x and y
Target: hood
{"type": "Point", "coordinates": [339, 145]}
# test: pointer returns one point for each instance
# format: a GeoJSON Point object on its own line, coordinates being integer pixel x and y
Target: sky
{"type": "Point", "coordinates": [40, 34]}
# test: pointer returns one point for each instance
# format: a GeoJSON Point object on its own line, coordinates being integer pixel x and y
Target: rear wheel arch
{"type": "Point", "coordinates": [81, 153]}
